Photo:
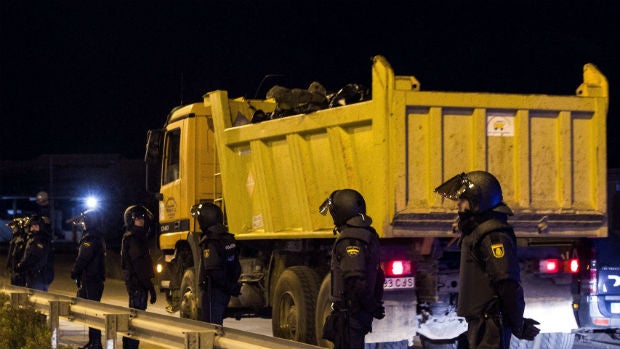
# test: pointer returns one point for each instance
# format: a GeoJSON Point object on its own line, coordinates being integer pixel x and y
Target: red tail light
{"type": "Point", "coordinates": [552, 266]}
{"type": "Point", "coordinates": [397, 268]}
{"type": "Point", "coordinates": [574, 266]}
{"type": "Point", "coordinates": [549, 266]}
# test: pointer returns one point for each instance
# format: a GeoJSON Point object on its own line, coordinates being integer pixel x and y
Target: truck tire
{"type": "Point", "coordinates": [294, 304]}
{"type": "Point", "coordinates": [189, 296]}
{"type": "Point", "coordinates": [323, 308]}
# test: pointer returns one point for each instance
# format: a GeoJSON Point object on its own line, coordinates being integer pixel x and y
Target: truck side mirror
{"type": "Point", "coordinates": [152, 160]}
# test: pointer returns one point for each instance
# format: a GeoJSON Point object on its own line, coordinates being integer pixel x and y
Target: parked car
{"type": "Point", "coordinates": [596, 292]}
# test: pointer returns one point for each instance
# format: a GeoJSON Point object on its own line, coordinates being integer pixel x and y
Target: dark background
{"type": "Point", "coordinates": [92, 77]}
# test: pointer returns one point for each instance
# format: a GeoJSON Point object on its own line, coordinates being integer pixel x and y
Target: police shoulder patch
{"type": "Point", "coordinates": [87, 244]}
{"type": "Point", "coordinates": [352, 250]}
{"type": "Point", "coordinates": [206, 253]}
{"type": "Point", "coordinates": [497, 250]}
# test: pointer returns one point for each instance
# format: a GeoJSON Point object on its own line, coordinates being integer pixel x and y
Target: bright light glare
{"type": "Point", "coordinates": [92, 202]}
{"type": "Point", "coordinates": [159, 268]}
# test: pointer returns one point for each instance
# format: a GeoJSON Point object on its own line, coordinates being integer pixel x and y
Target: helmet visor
{"type": "Point", "coordinates": [325, 206]}
{"type": "Point", "coordinates": [454, 187]}
{"type": "Point", "coordinates": [195, 210]}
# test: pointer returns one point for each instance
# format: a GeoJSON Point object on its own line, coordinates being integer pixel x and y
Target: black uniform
{"type": "Point", "coordinates": [89, 273]}
{"type": "Point", "coordinates": [137, 268]}
{"type": "Point", "coordinates": [491, 298]}
{"type": "Point", "coordinates": [490, 294]}
{"type": "Point", "coordinates": [37, 263]}
{"type": "Point", "coordinates": [357, 281]}
{"type": "Point", "coordinates": [17, 246]}
{"type": "Point", "coordinates": [219, 274]}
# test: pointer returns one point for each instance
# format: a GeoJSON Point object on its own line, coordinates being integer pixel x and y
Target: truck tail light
{"type": "Point", "coordinates": [553, 266]}
{"type": "Point", "coordinates": [573, 265]}
{"type": "Point", "coordinates": [549, 266]}
{"type": "Point", "coordinates": [397, 267]}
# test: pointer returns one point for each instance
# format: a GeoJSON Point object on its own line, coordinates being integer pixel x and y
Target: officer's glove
{"type": "Point", "coordinates": [379, 312]}
{"type": "Point", "coordinates": [153, 294]}
{"type": "Point", "coordinates": [528, 330]}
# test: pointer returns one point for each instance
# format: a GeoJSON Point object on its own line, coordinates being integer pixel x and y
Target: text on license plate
{"type": "Point", "coordinates": [615, 308]}
{"type": "Point", "coordinates": [406, 282]}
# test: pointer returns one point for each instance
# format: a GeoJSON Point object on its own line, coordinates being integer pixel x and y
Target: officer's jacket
{"type": "Point", "coordinates": [220, 259]}
{"type": "Point", "coordinates": [37, 256]}
{"type": "Point", "coordinates": [136, 262]}
{"type": "Point", "coordinates": [90, 262]}
{"type": "Point", "coordinates": [17, 246]}
{"type": "Point", "coordinates": [488, 261]}
{"type": "Point", "coordinates": [357, 277]}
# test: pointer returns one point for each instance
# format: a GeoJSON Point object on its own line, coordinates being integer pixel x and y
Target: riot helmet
{"type": "Point", "coordinates": [207, 215]}
{"type": "Point", "coordinates": [134, 212]}
{"type": "Point", "coordinates": [89, 220]}
{"type": "Point", "coordinates": [480, 188]}
{"type": "Point", "coordinates": [41, 221]}
{"type": "Point", "coordinates": [343, 205]}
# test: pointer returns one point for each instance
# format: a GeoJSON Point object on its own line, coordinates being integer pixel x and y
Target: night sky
{"type": "Point", "coordinates": [93, 76]}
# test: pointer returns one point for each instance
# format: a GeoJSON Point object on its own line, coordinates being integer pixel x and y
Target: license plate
{"type": "Point", "coordinates": [615, 308]}
{"type": "Point", "coordinates": [399, 283]}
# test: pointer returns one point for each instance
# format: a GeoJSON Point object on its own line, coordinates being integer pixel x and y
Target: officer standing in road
{"type": "Point", "coordinates": [220, 267]}
{"type": "Point", "coordinates": [89, 268]}
{"type": "Point", "coordinates": [136, 262]}
{"type": "Point", "coordinates": [490, 293]}
{"type": "Point", "coordinates": [37, 264]}
{"type": "Point", "coordinates": [357, 277]}
{"type": "Point", "coordinates": [17, 246]}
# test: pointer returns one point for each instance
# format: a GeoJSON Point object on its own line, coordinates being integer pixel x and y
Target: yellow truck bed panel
{"type": "Point", "coordinates": [549, 153]}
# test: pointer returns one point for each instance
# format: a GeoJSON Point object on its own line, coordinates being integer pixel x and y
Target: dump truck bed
{"type": "Point", "coordinates": [548, 152]}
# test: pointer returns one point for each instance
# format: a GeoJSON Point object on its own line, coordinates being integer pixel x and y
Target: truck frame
{"type": "Point", "coordinates": [549, 153]}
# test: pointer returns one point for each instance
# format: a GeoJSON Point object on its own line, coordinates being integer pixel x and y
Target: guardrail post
{"type": "Point", "coordinates": [115, 323]}
{"type": "Point", "coordinates": [18, 299]}
{"type": "Point", "coordinates": [199, 340]}
{"type": "Point", "coordinates": [57, 309]}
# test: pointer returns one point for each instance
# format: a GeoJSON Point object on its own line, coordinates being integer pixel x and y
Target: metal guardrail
{"type": "Point", "coordinates": [161, 330]}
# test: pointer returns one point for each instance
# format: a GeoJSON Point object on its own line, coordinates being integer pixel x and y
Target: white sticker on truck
{"type": "Point", "coordinates": [500, 125]}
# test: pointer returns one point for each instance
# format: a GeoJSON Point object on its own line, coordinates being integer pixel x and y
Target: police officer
{"type": "Point", "coordinates": [136, 262]}
{"type": "Point", "coordinates": [220, 267]}
{"type": "Point", "coordinates": [37, 263]}
{"type": "Point", "coordinates": [17, 245]}
{"type": "Point", "coordinates": [490, 294]}
{"type": "Point", "coordinates": [357, 277]}
{"type": "Point", "coordinates": [89, 268]}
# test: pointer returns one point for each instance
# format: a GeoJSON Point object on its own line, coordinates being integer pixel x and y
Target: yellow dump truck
{"type": "Point", "coordinates": [549, 153]}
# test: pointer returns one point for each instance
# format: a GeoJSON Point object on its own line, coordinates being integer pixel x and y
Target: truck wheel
{"type": "Point", "coordinates": [294, 303]}
{"type": "Point", "coordinates": [323, 308]}
{"type": "Point", "coordinates": [189, 295]}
